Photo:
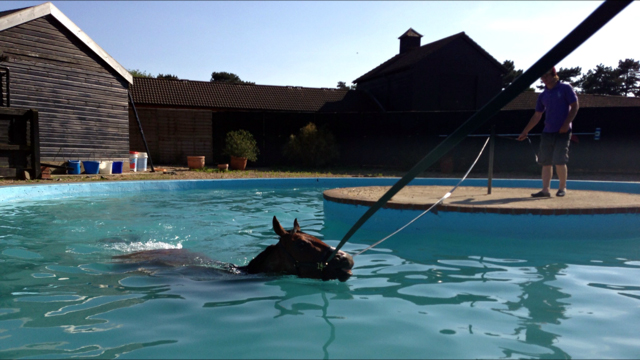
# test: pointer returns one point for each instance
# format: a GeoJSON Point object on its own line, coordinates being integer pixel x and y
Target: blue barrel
{"type": "Point", "coordinates": [117, 167]}
{"type": "Point", "coordinates": [75, 167]}
{"type": "Point", "coordinates": [91, 167]}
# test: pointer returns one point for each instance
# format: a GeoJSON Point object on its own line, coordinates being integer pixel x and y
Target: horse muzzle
{"type": "Point", "coordinates": [340, 267]}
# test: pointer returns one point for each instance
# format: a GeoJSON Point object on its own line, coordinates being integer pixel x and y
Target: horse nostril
{"type": "Point", "coordinates": [345, 259]}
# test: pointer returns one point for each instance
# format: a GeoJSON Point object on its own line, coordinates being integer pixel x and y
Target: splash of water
{"type": "Point", "coordinates": [142, 246]}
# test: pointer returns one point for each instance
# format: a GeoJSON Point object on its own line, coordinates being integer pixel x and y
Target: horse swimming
{"type": "Point", "coordinates": [295, 253]}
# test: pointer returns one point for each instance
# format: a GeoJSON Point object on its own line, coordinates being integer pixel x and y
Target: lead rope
{"type": "Point", "coordinates": [432, 206]}
{"type": "Point", "coordinates": [533, 149]}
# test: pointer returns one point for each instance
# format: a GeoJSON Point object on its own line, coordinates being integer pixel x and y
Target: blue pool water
{"type": "Point", "coordinates": [419, 295]}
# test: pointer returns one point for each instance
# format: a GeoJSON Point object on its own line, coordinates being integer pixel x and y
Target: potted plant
{"type": "Point", "coordinates": [240, 146]}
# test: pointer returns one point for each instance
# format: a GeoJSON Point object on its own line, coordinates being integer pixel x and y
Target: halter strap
{"type": "Point", "coordinates": [297, 264]}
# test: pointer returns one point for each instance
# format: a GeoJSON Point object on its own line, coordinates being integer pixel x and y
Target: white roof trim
{"type": "Point", "coordinates": [32, 13]}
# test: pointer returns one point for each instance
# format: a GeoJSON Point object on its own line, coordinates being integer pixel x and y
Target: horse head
{"type": "Point", "coordinates": [301, 254]}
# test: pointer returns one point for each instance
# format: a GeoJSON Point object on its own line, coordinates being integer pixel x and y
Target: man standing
{"type": "Point", "coordinates": [560, 103]}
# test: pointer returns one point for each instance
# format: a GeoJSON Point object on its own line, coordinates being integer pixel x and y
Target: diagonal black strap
{"type": "Point", "coordinates": [605, 12]}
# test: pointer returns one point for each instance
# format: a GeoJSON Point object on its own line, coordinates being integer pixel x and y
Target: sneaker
{"type": "Point", "coordinates": [561, 193]}
{"type": "Point", "coordinates": [540, 194]}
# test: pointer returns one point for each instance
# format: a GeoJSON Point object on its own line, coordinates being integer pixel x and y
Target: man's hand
{"type": "Point", "coordinates": [534, 120]}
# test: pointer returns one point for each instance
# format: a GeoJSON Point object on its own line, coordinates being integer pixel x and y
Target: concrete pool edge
{"type": "Point", "coordinates": [11, 193]}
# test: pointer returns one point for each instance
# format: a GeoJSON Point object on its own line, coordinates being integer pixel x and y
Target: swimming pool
{"type": "Point", "coordinates": [419, 295]}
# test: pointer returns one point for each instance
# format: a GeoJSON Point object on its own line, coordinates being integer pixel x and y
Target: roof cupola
{"type": "Point", "coordinates": [409, 40]}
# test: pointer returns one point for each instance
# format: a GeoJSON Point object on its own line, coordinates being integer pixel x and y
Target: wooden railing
{"type": "Point", "coordinates": [19, 143]}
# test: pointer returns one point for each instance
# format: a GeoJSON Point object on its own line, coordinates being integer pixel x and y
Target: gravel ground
{"type": "Point", "coordinates": [173, 172]}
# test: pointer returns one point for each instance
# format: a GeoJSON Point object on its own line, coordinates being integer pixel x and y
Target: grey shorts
{"type": "Point", "coordinates": [554, 148]}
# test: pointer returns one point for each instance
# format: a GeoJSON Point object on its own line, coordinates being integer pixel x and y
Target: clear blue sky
{"type": "Point", "coordinates": [317, 44]}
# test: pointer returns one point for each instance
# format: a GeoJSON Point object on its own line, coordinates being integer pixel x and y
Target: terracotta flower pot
{"type": "Point", "coordinates": [238, 163]}
{"type": "Point", "coordinates": [223, 167]}
{"type": "Point", "coordinates": [195, 162]}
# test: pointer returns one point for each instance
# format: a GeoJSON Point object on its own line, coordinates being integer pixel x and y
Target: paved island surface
{"type": "Point", "coordinates": [501, 200]}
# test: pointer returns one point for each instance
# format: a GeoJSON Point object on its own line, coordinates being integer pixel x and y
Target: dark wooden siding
{"type": "Point", "coordinates": [462, 77]}
{"type": "Point", "coordinates": [82, 102]}
{"type": "Point", "coordinates": [173, 134]}
{"type": "Point", "coordinates": [398, 140]}
{"type": "Point", "coordinates": [457, 77]}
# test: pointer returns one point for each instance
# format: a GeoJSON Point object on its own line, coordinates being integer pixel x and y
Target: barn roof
{"type": "Point", "coordinates": [527, 101]}
{"type": "Point", "coordinates": [408, 59]}
{"type": "Point", "coordinates": [217, 95]}
{"type": "Point", "coordinates": [11, 18]}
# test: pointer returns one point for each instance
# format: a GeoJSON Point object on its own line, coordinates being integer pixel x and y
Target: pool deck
{"type": "Point", "coordinates": [502, 200]}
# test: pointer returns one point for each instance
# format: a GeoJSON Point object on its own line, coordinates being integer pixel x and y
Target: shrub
{"type": "Point", "coordinates": [241, 144]}
{"type": "Point", "coordinates": [312, 147]}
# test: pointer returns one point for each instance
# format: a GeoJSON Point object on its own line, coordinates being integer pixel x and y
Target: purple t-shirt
{"type": "Point", "coordinates": [556, 103]}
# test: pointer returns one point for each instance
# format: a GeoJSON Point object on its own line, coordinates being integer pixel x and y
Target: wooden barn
{"type": "Point", "coordinates": [79, 91]}
{"type": "Point", "coordinates": [183, 118]}
{"type": "Point", "coordinates": [398, 113]}
{"type": "Point", "coordinates": [453, 73]}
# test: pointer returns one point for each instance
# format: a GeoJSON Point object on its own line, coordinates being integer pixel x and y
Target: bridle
{"type": "Point", "coordinates": [306, 264]}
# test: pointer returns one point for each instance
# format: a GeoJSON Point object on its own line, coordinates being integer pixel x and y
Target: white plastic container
{"type": "Point", "coordinates": [105, 167]}
{"type": "Point", "coordinates": [133, 160]}
{"type": "Point", "coordinates": [142, 161]}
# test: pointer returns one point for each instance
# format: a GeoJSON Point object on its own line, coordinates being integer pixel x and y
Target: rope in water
{"type": "Point", "coordinates": [432, 206]}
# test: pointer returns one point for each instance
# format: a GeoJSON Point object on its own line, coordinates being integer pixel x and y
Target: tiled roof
{"type": "Point", "coordinates": [206, 94]}
{"type": "Point", "coordinates": [407, 59]}
{"type": "Point", "coordinates": [527, 101]}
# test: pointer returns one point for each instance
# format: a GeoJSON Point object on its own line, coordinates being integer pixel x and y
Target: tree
{"type": "Point", "coordinates": [167, 76]}
{"type": "Point", "coordinates": [511, 74]}
{"type": "Point", "coordinates": [603, 80]}
{"type": "Point", "coordinates": [343, 86]}
{"type": "Point", "coordinates": [140, 74]}
{"type": "Point", "coordinates": [629, 74]}
{"type": "Point", "coordinates": [313, 146]}
{"type": "Point", "coordinates": [567, 75]}
{"type": "Point", "coordinates": [229, 78]}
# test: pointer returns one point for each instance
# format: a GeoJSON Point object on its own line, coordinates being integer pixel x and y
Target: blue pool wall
{"type": "Point", "coordinates": [340, 217]}
{"type": "Point", "coordinates": [12, 193]}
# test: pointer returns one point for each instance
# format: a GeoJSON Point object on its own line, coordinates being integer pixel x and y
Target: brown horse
{"type": "Point", "coordinates": [296, 253]}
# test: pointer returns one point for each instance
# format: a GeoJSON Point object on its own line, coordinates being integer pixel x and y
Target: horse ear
{"type": "Point", "coordinates": [296, 226]}
{"type": "Point", "coordinates": [278, 228]}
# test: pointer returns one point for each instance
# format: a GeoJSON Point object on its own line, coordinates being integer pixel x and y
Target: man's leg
{"type": "Point", "coordinates": [562, 172]}
{"type": "Point", "coordinates": [560, 158]}
{"type": "Point", "coordinates": [547, 173]}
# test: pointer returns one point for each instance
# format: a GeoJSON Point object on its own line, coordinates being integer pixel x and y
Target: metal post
{"type": "Point", "coordinates": [34, 120]}
{"type": "Point", "coordinates": [146, 147]}
{"type": "Point", "coordinates": [492, 143]}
